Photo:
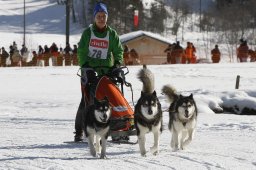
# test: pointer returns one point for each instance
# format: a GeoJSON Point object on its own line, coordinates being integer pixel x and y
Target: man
{"type": "Point", "coordinates": [216, 54]}
{"type": "Point", "coordinates": [178, 52]}
{"type": "Point", "coordinates": [100, 49]}
{"type": "Point", "coordinates": [4, 57]}
{"type": "Point", "coordinates": [189, 53]}
{"type": "Point", "coordinates": [170, 55]}
{"type": "Point", "coordinates": [24, 55]}
{"type": "Point", "coordinates": [242, 51]}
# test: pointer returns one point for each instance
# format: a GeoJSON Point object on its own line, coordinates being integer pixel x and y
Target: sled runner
{"type": "Point", "coordinates": [122, 117]}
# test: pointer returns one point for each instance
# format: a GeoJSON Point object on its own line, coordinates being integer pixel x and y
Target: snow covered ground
{"type": "Point", "coordinates": [38, 107]}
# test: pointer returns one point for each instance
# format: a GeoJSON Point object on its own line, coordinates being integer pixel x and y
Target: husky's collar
{"type": "Point", "coordinates": [185, 121]}
{"type": "Point", "coordinates": [99, 126]}
{"type": "Point", "coordinates": [150, 121]}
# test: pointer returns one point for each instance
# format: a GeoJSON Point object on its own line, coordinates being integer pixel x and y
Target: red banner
{"type": "Point", "coordinates": [136, 18]}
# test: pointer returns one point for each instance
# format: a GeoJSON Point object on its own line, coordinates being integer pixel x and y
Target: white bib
{"type": "Point", "coordinates": [98, 47]}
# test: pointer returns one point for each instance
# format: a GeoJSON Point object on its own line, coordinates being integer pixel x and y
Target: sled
{"type": "Point", "coordinates": [111, 86]}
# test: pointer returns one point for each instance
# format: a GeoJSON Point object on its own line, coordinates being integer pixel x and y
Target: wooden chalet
{"type": "Point", "coordinates": [149, 46]}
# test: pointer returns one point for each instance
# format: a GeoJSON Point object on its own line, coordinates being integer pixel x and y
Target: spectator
{"type": "Point", "coordinates": [24, 55]}
{"type": "Point", "coordinates": [74, 56]}
{"type": "Point", "coordinates": [127, 58]}
{"type": "Point", "coordinates": [14, 55]}
{"type": "Point", "coordinates": [46, 49]}
{"type": "Point", "coordinates": [75, 49]}
{"type": "Point", "coordinates": [252, 55]}
{"type": "Point", "coordinates": [23, 50]}
{"type": "Point", "coordinates": [33, 62]}
{"type": "Point", "coordinates": [54, 52]}
{"type": "Point", "coordinates": [4, 57]}
{"type": "Point", "coordinates": [46, 55]}
{"type": "Point", "coordinates": [67, 55]}
{"type": "Point", "coordinates": [178, 52]}
{"type": "Point", "coordinates": [60, 57]}
{"type": "Point", "coordinates": [170, 56]}
{"type": "Point", "coordinates": [53, 48]}
{"type": "Point", "coordinates": [11, 52]}
{"type": "Point", "coordinates": [39, 56]}
{"type": "Point", "coordinates": [14, 46]}
{"type": "Point", "coordinates": [67, 49]}
{"type": "Point", "coordinates": [193, 60]}
{"type": "Point", "coordinates": [61, 50]}
{"type": "Point", "coordinates": [189, 53]}
{"type": "Point", "coordinates": [216, 54]}
{"type": "Point", "coordinates": [135, 57]}
{"type": "Point", "coordinates": [242, 51]}
{"type": "Point", "coordinates": [40, 50]}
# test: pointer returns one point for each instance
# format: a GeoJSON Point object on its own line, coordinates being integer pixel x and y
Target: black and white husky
{"type": "Point", "coordinates": [148, 112]}
{"type": "Point", "coordinates": [182, 117]}
{"type": "Point", "coordinates": [96, 124]}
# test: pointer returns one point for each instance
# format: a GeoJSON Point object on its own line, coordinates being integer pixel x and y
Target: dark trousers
{"type": "Point", "coordinates": [79, 117]}
{"type": "Point", "coordinates": [81, 112]}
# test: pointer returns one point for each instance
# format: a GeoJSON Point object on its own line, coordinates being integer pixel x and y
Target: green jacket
{"type": "Point", "coordinates": [115, 50]}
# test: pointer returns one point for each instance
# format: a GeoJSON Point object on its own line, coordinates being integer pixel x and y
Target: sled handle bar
{"type": "Point", "coordinates": [127, 84]}
{"type": "Point", "coordinates": [115, 69]}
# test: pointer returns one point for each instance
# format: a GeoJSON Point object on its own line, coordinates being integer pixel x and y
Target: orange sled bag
{"type": "Point", "coordinates": [120, 106]}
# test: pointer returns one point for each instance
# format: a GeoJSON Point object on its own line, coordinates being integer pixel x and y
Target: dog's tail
{"type": "Point", "coordinates": [148, 80]}
{"type": "Point", "coordinates": [170, 92]}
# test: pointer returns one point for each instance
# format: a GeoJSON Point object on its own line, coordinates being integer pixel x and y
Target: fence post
{"type": "Point", "coordinates": [237, 81]}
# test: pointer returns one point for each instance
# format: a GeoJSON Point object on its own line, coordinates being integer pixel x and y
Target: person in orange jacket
{"type": "Point", "coordinates": [193, 59]}
{"type": "Point", "coordinates": [189, 53]}
{"type": "Point", "coordinates": [252, 55]}
{"type": "Point", "coordinates": [126, 56]}
{"type": "Point", "coordinates": [216, 54]}
{"type": "Point", "coordinates": [54, 52]}
{"type": "Point", "coordinates": [242, 51]}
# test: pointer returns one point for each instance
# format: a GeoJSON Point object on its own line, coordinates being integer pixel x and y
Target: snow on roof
{"type": "Point", "coordinates": [132, 35]}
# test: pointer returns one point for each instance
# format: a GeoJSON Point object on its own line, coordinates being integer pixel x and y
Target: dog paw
{"type": "Point", "coordinates": [103, 157]}
{"type": "Point", "coordinates": [93, 153]}
{"type": "Point", "coordinates": [183, 147]}
{"type": "Point", "coordinates": [154, 150]}
{"type": "Point", "coordinates": [144, 155]}
{"type": "Point", "coordinates": [175, 149]}
{"type": "Point", "coordinates": [155, 153]}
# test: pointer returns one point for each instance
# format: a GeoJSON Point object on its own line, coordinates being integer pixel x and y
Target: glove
{"type": "Point", "coordinates": [88, 75]}
{"type": "Point", "coordinates": [117, 74]}
{"type": "Point", "coordinates": [115, 66]}
{"type": "Point", "coordinates": [91, 76]}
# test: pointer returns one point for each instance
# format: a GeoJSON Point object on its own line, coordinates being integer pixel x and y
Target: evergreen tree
{"type": "Point", "coordinates": [158, 15]}
{"type": "Point", "coordinates": [121, 15]}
